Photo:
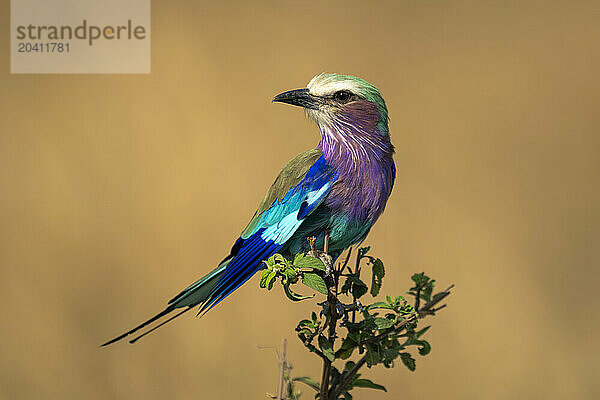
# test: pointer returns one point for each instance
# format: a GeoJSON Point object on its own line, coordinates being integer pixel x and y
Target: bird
{"type": "Point", "coordinates": [337, 189]}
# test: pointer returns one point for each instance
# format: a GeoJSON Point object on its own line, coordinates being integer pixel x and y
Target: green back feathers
{"type": "Point", "coordinates": [290, 176]}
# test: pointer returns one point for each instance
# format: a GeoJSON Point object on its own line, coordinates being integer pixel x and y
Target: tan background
{"type": "Point", "coordinates": [119, 190]}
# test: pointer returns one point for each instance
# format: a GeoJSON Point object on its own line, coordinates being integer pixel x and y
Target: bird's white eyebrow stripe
{"type": "Point", "coordinates": [324, 85]}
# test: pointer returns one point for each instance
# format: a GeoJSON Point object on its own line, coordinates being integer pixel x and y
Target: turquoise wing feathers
{"type": "Point", "coordinates": [300, 187]}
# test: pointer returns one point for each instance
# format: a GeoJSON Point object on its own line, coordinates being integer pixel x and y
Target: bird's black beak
{"type": "Point", "coordinates": [298, 97]}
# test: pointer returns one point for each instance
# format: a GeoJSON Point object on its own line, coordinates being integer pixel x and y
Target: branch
{"type": "Point", "coordinates": [282, 367]}
{"type": "Point", "coordinates": [332, 311]}
{"type": "Point", "coordinates": [427, 309]}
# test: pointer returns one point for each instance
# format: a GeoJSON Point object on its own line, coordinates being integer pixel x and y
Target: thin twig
{"type": "Point", "coordinates": [282, 366]}
{"type": "Point", "coordinates": [332, 316]}
{"type": "Point", "coordinates": [418, 297]}
{"type": "Point", "coordinates": [345, 264]}
{"type": "Point", "coordinates": [335, 392]}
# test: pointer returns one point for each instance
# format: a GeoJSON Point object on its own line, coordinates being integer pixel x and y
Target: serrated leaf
{"type": "Point", "coordinates": [310, 262]}
{"type": "Point", "coordinates": [297, 257]}
{"type": "Point", "coordinates": [314, 282]}
{"type": "Point", "coordinates": [367, 383]}
{"type": "Point", "coordinates": [326, 348]}
{"type": "Point", "coordinates": [380, 304]}
{"type": "Point", "coordinates": [308, 381]}
{"type": "Point", "coordinates": [293, 295]}
{"type": "Point", "coordinates": [408, 361]}
{"type": "Point", "coordinates": [383, 323]}
{"type": "Point", "coordinates": [378, 273]}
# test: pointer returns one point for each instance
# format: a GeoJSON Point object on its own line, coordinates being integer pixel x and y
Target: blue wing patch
{"type": "Point", "coordinates": [274, 227]}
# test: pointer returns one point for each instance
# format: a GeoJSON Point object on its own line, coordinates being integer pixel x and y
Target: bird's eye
{"type": "Point", "coordinates": [342, 96]}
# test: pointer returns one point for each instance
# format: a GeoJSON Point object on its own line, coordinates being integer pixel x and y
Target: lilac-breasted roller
{"type": "Point", "coordinates": [339, 188]}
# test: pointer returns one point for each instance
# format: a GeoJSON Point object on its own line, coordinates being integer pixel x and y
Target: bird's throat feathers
{"type": "Point", "coordinates": [358, 146]}
{"type": "Point", "coordinates": [355, 135]}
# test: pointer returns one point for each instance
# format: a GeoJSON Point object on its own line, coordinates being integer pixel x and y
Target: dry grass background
{"type": "Point", "coordinates": [119, 190]}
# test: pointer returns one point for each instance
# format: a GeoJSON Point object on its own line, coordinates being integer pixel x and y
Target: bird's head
{"type": "Point", "coordinates": [335, 101]}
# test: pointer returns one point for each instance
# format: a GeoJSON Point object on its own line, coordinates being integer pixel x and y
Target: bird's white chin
{"type": "Point", "coordinates": [323, 118]}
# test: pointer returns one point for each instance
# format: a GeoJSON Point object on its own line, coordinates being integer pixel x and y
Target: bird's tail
{"type": "Point", "coordinates": [197, 293]}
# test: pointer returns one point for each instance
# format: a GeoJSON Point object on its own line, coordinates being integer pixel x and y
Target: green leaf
{"type": "Point", "coordinates": [308, 381]}
{"type": "Point", "coordinates": [349, 365]}
{"type": "Point", "coordinates": [297, 257]}
{"type": "Point", "coordinates": [425, 347]}
{"type": "Point", "coordinates": [422, 331]}
{"type": "Point", "coordinates": [354, 337]}
{"type": "Point", "coordinates": [420, 279]}
{"type": "Point", "coordinates": [359, 288]}
{"type": "Point", "coordinates": [380, 304]}
{"type": "Point", "coordinates": [279, 259]}
{"type": "Point", "coordinates": [292, 276]}
{"type": "Point", "coordinates": [314, 282]}
{"type": "Point", "coordinates": [294, 296]}
{"type": "Point", "coordinates": [427, 291]}
{"type": "Point", "coordinates": [367, 383]}
{"type": "Point", "coordinates": [347, 286]}
{"type": "Point", "coordinates": [263, 277]}
{"type": "Point", "coordinates": [309, 262]}
{"type": "Point", "coordinates": [346, 349]}
{"type": "Point", "coordinates": [373, 356]}
{"type": "Point", "coordinates": [270, 261]}
{"type": "Point", "coordinates": [270, 280]}
{"type": "Point", "coordinates": [326, 348]}
{"type": "Point", "coordinates": [383, 323]}
{"type": "Point", "coordinates": [408, 361]}
{"type": "Point", "coordinates": [377, 277]}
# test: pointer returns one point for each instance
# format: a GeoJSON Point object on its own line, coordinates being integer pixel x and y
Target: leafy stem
{"type": "Point", "coordinates": [380, 332]}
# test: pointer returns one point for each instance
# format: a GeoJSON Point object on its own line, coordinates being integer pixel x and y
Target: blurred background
{"type": "Point", "coordinates": [119, 190]}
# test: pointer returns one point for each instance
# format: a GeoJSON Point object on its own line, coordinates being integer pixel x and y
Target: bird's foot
{"type": "Point", "coordinates": [325, 258]}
